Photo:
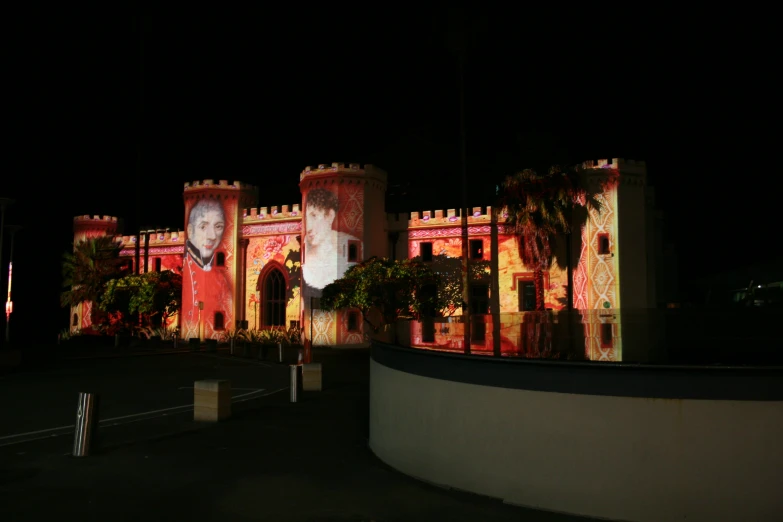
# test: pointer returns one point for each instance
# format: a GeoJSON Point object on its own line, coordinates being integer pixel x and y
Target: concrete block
{"type": "Point", "coordinates": [311, 377]}
{"type": "Point", "coordinates": [211, 400]}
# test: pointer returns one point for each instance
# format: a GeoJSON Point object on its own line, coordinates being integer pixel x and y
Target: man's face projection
{"type": "Point", "coordinates": [206, 232]}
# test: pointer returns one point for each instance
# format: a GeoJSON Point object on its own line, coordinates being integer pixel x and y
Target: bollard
{"type": "Point", "coordinates": [86, 424]}
{"type": "Point", "coordinates": [294, 369]}
{"type": "Point", "coordinates": [280, 354]}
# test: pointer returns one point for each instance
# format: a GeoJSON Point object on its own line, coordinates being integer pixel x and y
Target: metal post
{"type": "Point", "coordinates": [280, 352]}
{"type": "Point", "coordinates": [9, 304]}
{"type": "Point", "coordinates": [86, 424]}
{"type": "Point", "coordinates": [4, 202]}
{"type": "Point", "coordinates": [294, 385]}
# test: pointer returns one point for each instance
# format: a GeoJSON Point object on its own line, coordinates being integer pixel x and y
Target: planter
{"type": "Point", "coordinates": [251, 350]}
{"type": "Point", "coordinates": [194, 343]}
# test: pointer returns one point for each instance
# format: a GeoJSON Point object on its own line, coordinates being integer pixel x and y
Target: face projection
{"type": "Point", "coordinates": [320, 214]}
{"type": "Point", "coordinates": [319, 226]}
{"type": "Point", "coordinates": [321, 240]}
{"type": "Point", "coordinates": [206, 224]}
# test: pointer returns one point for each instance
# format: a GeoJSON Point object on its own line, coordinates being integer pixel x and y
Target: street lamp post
{"type": "Point", "coordinates": [9, 305]}
{"type": "Point", "coordinates": [4, 202]}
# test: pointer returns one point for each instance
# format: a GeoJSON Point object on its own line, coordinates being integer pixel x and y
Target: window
{"type": "Point", "coordinates": [75, 320]}
{"type": "Point", "coordinates": [526, 291]}
{"type": "Point", "coordinates": [479, 299]}
{"type": "Point", "coordinates": [603, 244]}
{"type": "Point", "coordinates": [274, 298]}
{"type": "Point", "coordinates": [353, 321]}
{"type": "Point", "coordinates": [157, 264]}
{"type": "Point", "coordinates": [220, 259]}
{"type": "Point", "coordinates": [219, 321]}
{"type": "Point", "coordinates": [354, 251]}
{"type": "Point", "coordinates": [476, 249]}
{"type": "Point", "coordinates": [606, 335]}
{"type": "Point", "coordinates": [426, 251]}
{"type": "Point", "coordinates": [128, 265]}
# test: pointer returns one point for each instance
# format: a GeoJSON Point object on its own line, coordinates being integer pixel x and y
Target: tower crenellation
{"type": "Point", "coordinates": [450, 216]}
{"type": "Point", "coordinates": [351, 168]}
{"type": "Point", "coordinates": [163, 237]}
{"type": "Point", "coordinates": [246, 193]}
{"type": "Point", "coordinates": [276, 212]}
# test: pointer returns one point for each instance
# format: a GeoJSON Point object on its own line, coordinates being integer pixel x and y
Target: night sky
{"type": "Point", "coordinates": [256, 96]}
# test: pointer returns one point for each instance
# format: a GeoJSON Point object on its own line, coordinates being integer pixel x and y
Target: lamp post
{"type": "Point", "coordinates": [9, 305]}
{"type": "Point", "coordinates": [4, 202]}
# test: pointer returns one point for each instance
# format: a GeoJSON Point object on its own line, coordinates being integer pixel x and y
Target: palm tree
{"type": "Point", "coordinates": [86, 270]}
{"type": "Point", "coordinates": [542, 209]}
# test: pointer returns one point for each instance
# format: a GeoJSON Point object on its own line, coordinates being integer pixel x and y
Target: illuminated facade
{"type": "Point", "coordinates": [261, 267]}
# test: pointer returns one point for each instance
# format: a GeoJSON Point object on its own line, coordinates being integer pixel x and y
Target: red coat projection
{"type": "Point", "coordinates": [210, 285]}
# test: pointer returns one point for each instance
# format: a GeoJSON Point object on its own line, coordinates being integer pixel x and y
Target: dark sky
{"type": "Point", "coordinates": [258, 95]}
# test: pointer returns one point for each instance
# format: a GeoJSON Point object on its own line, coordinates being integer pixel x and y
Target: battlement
{"type": "Point", "coordinates": [92, 219]}
{"type": "Point", "coordinates": [452, 217]}
{"type": "Point", "coordinates": [352, 168]}
{"type": "Point", "coordinates": [252, 215]}
{"type": "Point", "coordinates": [161, 237]}
{"type": "Point", "coordinates": [623, 165]}
{"type": "Point", "coordinates": [92, 226]}
{"type": "Point", "coordinates": [221, 184]}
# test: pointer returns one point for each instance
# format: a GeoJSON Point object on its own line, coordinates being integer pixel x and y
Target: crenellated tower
{"type": "Point", "coordinates": [84, 228]}
{"type": "Point", "coordinates": [344, 223]}
{"type": "Point", "coordinates": [212, 265]}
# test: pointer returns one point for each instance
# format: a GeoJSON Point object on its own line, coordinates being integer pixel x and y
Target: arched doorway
{"type": "Point", "coordinates": [272, 286]}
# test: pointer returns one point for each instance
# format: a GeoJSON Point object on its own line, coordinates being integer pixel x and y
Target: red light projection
{"type": "Point", "coordinates": [207, 276]}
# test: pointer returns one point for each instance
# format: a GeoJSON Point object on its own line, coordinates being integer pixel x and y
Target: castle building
{"type": "Point", "coordinates": [246, 266]}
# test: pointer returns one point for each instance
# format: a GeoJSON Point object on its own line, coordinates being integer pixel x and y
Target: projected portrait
{"type": "Point", "coordinates": [206, 224]}
{"type": "Point", "coordinates": [206, 282]}
{"type": "Point", "coordinates": [328, 251]}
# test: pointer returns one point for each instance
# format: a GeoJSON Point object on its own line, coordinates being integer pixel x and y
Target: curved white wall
{"type": "Point", "coordinates": [620, 458]}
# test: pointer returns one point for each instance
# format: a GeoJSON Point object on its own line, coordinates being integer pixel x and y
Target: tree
{"type": "Point", "coordinates": [155, 296]}
{"type": "Point", "coordinates": [449, 280]}
{"type": "Point", "coordinates": [86, 270]}
{"type": "Point", "coordinates": [384, 290]}
{"type": "Point", "coordinates": [540, 210]}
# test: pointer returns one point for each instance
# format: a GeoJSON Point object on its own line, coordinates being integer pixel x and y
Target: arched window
{"type": "Point", "coordinates": [274, 298]}
{"type": "Point", "coordinates": [221, 259]}
{"type": "Point", "coordinates": [219, 321]}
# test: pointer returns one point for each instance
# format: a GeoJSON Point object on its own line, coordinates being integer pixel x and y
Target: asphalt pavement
{"type": "Point", "coordinates": [273, 460]}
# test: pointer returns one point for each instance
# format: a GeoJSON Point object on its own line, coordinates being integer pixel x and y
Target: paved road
{"type": "Point", "coordinates": [38, 403]}
{"type": "Point", "coordinates": [272, 461]}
